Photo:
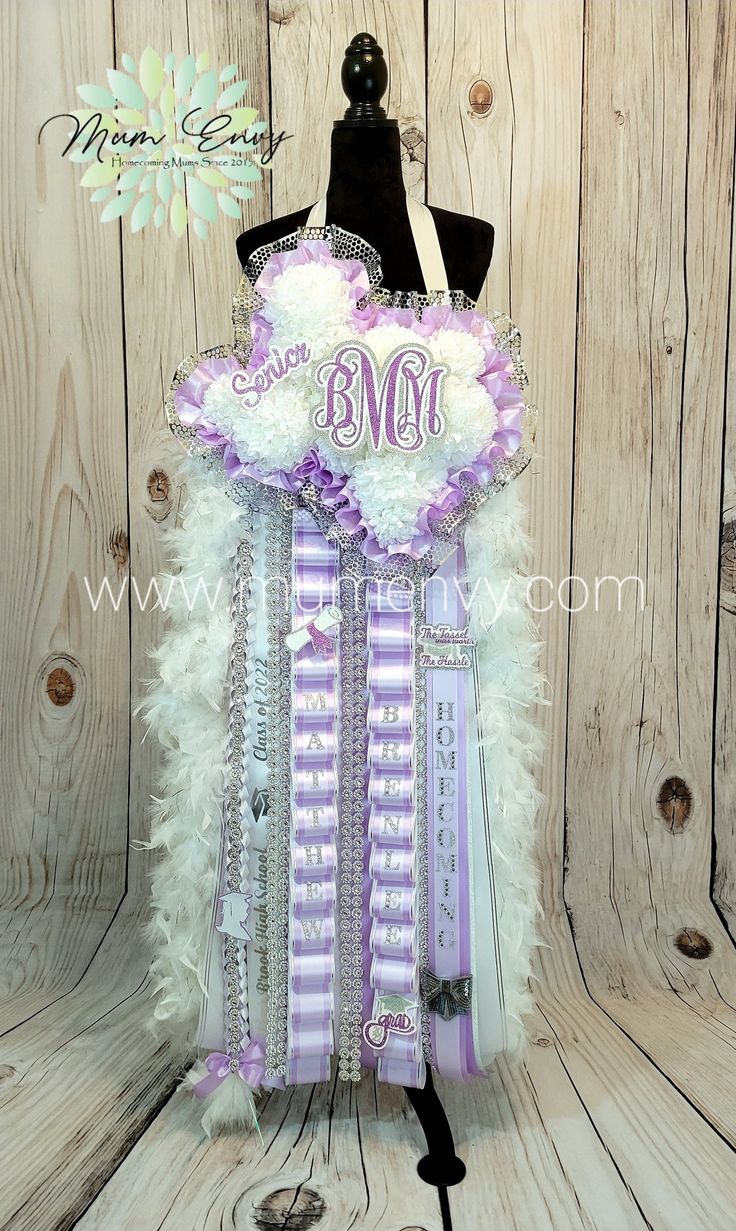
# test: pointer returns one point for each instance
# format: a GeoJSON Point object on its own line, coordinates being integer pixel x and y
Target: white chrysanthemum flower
{"type": "Point", "coordinates": [277, 432]}
{"type": "Point", "coordinates": [220, 402]}
{"type": "Point", "coordinates": [322, 342]}
{"type": "Point", "coordinates": [461, 352]}
{"type": "Point", "coordinates": [471, 419]}
{"type": "Point", "coordinates": [310, 302]}
{"type": "Point", "coordinates": [391, 490]}
{"type": "Point", "coordinates": [383, 339]}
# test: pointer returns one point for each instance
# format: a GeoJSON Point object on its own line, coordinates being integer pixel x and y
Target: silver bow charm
{"type": "Point", "coordinates": [448, 997]}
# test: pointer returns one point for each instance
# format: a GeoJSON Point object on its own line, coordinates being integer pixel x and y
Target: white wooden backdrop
{"type": "Point", "coordinates": [606, 164]}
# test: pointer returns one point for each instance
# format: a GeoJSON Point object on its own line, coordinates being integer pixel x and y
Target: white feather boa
{"type": "Point", "coordinates": [511, 686]}
{"type": "Point", "coordinates": [186, 707]}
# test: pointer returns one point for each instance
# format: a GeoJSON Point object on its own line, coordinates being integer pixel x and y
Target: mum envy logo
{"type": "Point", "coordinates": [168, 140]}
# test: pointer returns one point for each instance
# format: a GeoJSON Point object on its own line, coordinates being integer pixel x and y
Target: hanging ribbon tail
{"type": "Point", "coordinates": [392, 830]}
{"type": "Point", "coordinates": [446, 976]}
{"type": "Point", "coordinates": [314, 811]}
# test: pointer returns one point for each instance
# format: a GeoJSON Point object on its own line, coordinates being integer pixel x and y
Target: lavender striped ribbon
{"type": "Point", "coordinates": [313, 876]}
{"type": "Point", "coordinates": [392, 822]}
{"type": "Point", "coordinates": [449, 826]}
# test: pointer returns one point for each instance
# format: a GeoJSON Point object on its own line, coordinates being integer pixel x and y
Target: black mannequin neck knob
{"type": "Point", "coordinates": [364, 79]}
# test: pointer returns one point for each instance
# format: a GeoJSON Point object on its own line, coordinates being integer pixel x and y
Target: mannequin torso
{"type": "Point", "coordinates": [365, 195]}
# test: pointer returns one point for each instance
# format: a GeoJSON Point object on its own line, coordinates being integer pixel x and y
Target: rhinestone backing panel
{"type": "Point", "coordinates": [418, 300]}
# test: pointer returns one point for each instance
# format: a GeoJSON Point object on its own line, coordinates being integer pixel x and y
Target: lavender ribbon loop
{"type": "Point", "coordinates": [252, 1064]}
{"type": "Point", "coordinates": [314, 812]}
{"type": "Point", "coordinates": [391, 825]}
{"type": "Point", "coordinates": [251, 1069]}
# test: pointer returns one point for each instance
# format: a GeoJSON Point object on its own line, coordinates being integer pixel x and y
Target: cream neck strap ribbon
{"type": "Point", "coordinates": [424, 233]}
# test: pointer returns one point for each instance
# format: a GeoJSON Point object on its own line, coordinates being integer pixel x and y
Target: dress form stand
{"type": "Point", "coordinates": [440, 1165]}
{"type": "Point", "coordinates": [366, 195]}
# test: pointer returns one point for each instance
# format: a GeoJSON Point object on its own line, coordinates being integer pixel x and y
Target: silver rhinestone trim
{"type": "Point", "coordinates": [236, 835]}
{"type": "Point", "coordinates": [422, 838]}
{"type": "Point", "coordinates": [418, 300]}
{"type": "Point", "coordinates": [353, 772]}
{"type": "Point", "coordinates": [278, 754]}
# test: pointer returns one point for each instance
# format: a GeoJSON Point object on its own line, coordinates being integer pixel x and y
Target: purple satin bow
{"type": "Point", "coordinates": [251, 1067]}
{"type": "Point", "coordinates": [320, 641]}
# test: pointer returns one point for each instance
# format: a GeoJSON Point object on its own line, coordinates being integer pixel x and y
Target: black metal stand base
{"type": "Point", "coordinates": [441, 1166]}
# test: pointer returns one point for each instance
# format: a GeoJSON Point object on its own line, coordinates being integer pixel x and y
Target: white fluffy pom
{"type": "Point", "coordinates": [230, 1108]}
{"type": "Point", "coordinates": [471, 419]}
{"type": "Point", "coordinates": [460, 351]}
{"type": "Point", "coordinates": [383, 339]}
{"type": "Point", "coordinates": [277, 432]}
{"type": "Point", "coordinates": [219, 400]}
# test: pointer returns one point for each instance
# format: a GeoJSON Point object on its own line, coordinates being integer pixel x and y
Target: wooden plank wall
{"type": "Point", "coordinates": [66, 682]}
{"type": "Point", "coordinates": [657, 193]}
{"type": "Point", "coordinates": [605, 161]}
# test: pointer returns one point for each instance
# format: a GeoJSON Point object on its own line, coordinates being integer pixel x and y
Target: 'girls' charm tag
{"type": "Point", "coordinates": [394, 1015]}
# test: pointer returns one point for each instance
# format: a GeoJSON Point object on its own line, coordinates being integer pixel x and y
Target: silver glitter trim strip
{"type": "Point", "coordinates": [353, 568]}
{"type": "Point", "coordinates": [236, 806]}
{"type": "Point", "coordinates": [278, 753]}
{"type": "Point", "coordinates": [418, 300]}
